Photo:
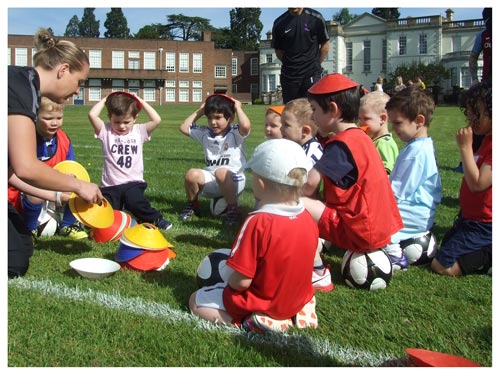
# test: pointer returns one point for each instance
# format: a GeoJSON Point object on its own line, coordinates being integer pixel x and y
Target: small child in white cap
{"type": "Point", "coordinates": [273, 255]}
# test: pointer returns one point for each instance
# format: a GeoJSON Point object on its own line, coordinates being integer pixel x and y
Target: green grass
{"type": "Point", "coordinates": [58, 319]}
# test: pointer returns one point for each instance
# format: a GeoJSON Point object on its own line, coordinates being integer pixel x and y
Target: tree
{"type": "Point", "coordinates": [72, 27]}
{"type": "Point", "coordinates": [431, 74]}
{"type": "Point", "coordinates": [116, 24]}
{"type": "Point", "coordinates": [386, 13]}
{"type": "Point", "coordinates": [245, 28]}
{"type": "Point", "coordinates": [89, 26]}
{"type": "Point", "coordinates": [222, 37]}
{"type": "Point", "coordinates": [181, 27]}
{"type": "Point", "coordinates": [343, 16]}
{"type": "Point", "coordinates": [153, 31]}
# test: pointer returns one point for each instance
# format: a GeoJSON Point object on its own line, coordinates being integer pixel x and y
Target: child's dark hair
{"type": "Point", "coordinates": [411, 102]}
{"type": "Point", "coordinates": [347, 101]}
{"type": "Point", "coordinates": [219, 104]}
{"type": "Point", "coordinates": [121, 105]}
{"type": "Point", "coordinates": [481, 92]}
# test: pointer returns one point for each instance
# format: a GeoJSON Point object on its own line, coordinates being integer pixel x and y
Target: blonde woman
{"type": "Point", "coordinates": [60, 67]}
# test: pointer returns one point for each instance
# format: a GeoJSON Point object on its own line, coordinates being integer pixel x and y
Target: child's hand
{"type": "Point", "coordinates": [237, 104]}
{"type": "Point", "coordinates": [464, 138]}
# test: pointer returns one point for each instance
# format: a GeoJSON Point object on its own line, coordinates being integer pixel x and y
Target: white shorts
{"type": "Point", "coordinates": [211, 188]}
{"type": "Point", "coordinates": [211, 296]}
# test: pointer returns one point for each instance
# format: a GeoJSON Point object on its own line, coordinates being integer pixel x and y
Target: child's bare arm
{"type": "Point", "coordinates": [154, 117]}
{"type": "Point", "coordinates": [243, 120]}
{"type": "Point", "coordinates": [239, 282]}
{"type": "Point", "coordinates": [94, 113]}
{"type": "Point", "coordinates": [192, 118]}
{"type": "Point", "coordinates": [311, 186]}
{"type": "Point", "coordinates": [478, 179]}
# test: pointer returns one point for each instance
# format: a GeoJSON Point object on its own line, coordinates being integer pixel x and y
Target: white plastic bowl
{"type": "Point", "coordinates": [94, 268]}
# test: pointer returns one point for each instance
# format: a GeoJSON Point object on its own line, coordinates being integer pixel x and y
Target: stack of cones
{"type": "Point", "coordinates": [144, 248]}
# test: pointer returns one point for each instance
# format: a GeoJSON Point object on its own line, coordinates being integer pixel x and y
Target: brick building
{"type": "Point", "coordinates": [158, 70]}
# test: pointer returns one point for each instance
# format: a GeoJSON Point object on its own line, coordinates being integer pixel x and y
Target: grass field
{"type": "Point", "coordinates": [58, 319]}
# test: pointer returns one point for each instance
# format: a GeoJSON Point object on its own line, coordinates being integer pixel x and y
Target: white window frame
{"type": "Point", "coordinates": [170, 95]}
{"type": "Point", "coordinates": [197, 95]}
{"type": "Point", "coordinates": [220, 71]}
{"type": "Point", "coordinates": [197, 62]}
{"type": "Point", "coordinates": [234, 66]}
{"type": "Point", "coordinates": [183, 62]}
{"type": "Point", "coordinates": [183, 95]}
{"type": "Point", "coordinates": [21, 57]}
{"type": "Point", "coordinates": [170, 61]}
{"type": "Point", "coordinates": [95, 58]}
{"type": "Point", "coordinates": [254, 66]}
{"type": "Point", "coordinates": [149, 59]}
{"type": "Point", "coordinates": [117, 59]}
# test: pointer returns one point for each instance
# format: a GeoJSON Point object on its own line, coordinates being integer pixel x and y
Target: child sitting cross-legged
{"type": "Point", "coordinates": [273, 254]}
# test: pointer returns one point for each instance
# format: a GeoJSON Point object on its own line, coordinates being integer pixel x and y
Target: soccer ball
{"type": "Point", "coordinates": [370, 271]}
{"type": "Point", "coordinates": [218, 206]}
{"type": "Point", "coordinates": [420, 250]}
{"type": "Point", "coordinates": [213, 268]}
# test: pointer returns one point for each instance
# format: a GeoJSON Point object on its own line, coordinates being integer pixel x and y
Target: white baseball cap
{"type": "Point", "coordinates": [275, 158]}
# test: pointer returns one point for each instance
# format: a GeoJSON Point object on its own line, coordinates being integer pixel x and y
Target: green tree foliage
{"type": "Point", "coordinates": [245, 28]}
{"type": "Point", "coordinates": [386, 13]}
{"type": "Point", "coordinates": [89, 26]}
{"type": "Point", "coordinates": [72, 29]}
{"type": "Point", "coordinates": [116, 24]}
{"type": "Point", "coordinates": [222, 37]}
{"type": "Point", "coordinates": [431, 74]}
{"type": "Point", "coordinates": [153, 31]}
{"type": "Point", "coordinates": [343, 16]}
{"type": "Point", "coordinates": [185, 28]}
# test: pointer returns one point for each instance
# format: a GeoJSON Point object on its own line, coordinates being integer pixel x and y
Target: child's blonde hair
{"type": "Point", "coordinates": [303, 112]}
{"type": "Point", "coordinates": [376, 101]}
{"type": "Point", "coordinates": [288, 192]}
{"type": "Point", "coordinates": [50, 106]}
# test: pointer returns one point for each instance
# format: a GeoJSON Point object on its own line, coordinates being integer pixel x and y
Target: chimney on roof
{"type": "Point", "coordinates": [207, 36]}
{"type": "Point", "coordinates": [449, 14]}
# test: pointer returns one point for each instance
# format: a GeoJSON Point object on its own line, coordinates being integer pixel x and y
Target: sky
{"type": "Point", "coordinates": [25, 18]}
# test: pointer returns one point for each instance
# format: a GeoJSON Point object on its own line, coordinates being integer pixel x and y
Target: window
{"type": "Point", "coordinates": [197, 63]}
{"type": "Point", "coordinates": [21, 57]}
{"type": "Point", "coordinates": [422, 41]}
{"type": "Point", "coordinates": [254, 88]}
{"type": "Point", "coordinates": [169, 95]}
{"type": "Point", "coordinates": [134, 90]}
{"type": "Point", "coordinates": [94, 94]}
{"type": "Point", "coordinates": [170, 83]}
{"type": "Point", "coordinates": [118, 59]}
{"type": "Point", "coordinates": [269, 58]}
{"type": "Point", "coordinates": [384, 55]}
{"type": "Point", "coordinates": [367, 56]}
{"type": "Point", "coordinates": [272, 82]}
{"type": "Point", "coordinates": [197, 84]}
{"type": "Point", "coordinates": [118, 84]}
{"type": "Point", "coordinates": [197, 95]}
{"type": "Point", "coordinates": [149, 61]}
{"type": "Point", "coordinates": [254, 66]}
{"type": "Point", "coordinates": [184, 62]}
{"type": "Point", "coordinates": [33, 53]}
{"type": "Point", "coordinates": [220, 71]}
{"type": "Point", "coordinates": [184, 95]}
{"type": "Point", "coordinates": [95, 58]}
{"type": "Point", "coordinates": [348, 56]}
{"type": "Point", "coordinates": [134, 83]}
{"type": "Point", "coordinates": [149, 89]}
{"type": "Point", "coordinates": [402, 45]}
{"type": "Point", "coordinates": [134, 60]}
{"type": "Point", "coordinates": [234, 66]}
{"type": "Point", "coordinates": [234, 88]}
{"type": "Point", "coordinates": [149, 94]}
{"type": "Point", "coordinates": [170, 61]}
{"type": "Point", "coordinates": [183, 83]}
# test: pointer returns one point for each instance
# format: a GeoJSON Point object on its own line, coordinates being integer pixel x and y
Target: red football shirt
{"type": "Point", "coordinates": [275, 247]}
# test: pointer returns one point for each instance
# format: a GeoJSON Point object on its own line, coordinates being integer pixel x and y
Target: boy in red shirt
{"type": "Point", "coordinates": [466, 247]}
{"type": "Point", "coordinates": [272, 257]}
{"type": "Point", "coordinates": [359, 211]}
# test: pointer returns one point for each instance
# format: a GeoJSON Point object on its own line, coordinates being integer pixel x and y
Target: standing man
{"type": "Point", "coordinates": [301, 41]}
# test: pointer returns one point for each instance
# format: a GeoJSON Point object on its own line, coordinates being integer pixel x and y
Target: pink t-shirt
{"type": "Point", "coordinates": [122, 155]}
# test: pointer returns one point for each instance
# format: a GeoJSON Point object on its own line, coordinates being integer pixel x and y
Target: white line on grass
{"type": "Point", "coordinates": [313, 346]}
